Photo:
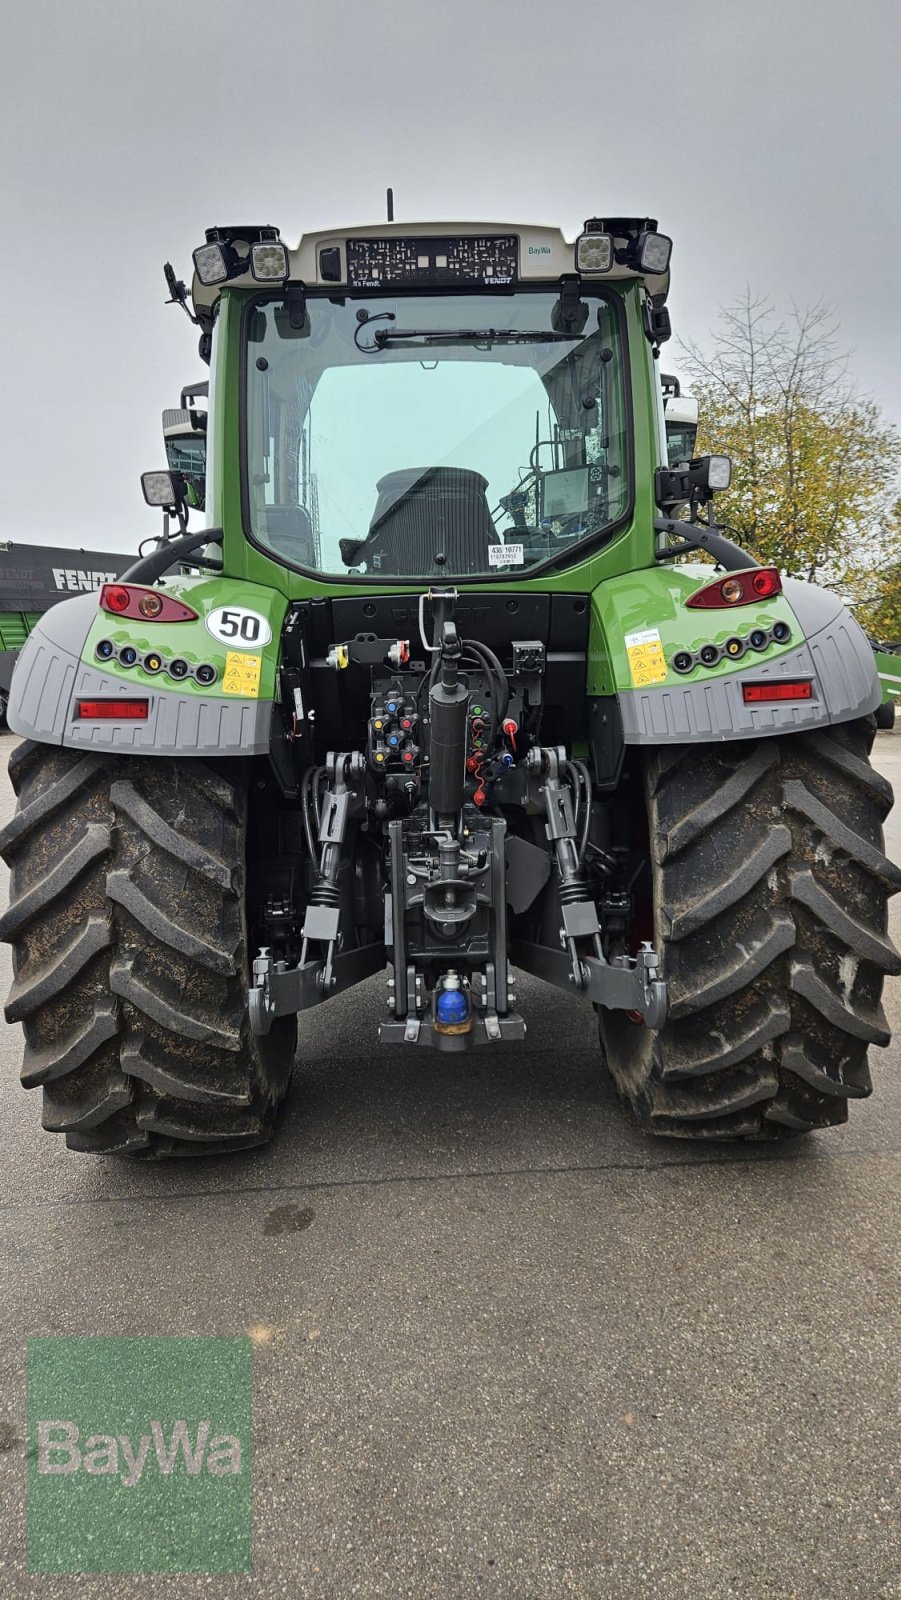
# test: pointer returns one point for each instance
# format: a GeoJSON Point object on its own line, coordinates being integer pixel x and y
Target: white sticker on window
{"type": "Point", "coordinates": [506, 555]}
{"type": "Point", "coordinates": [239, 628]}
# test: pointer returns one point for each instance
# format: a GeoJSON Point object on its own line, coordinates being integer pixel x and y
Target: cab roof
{"type": "Point", "coordinates": [410, 255]}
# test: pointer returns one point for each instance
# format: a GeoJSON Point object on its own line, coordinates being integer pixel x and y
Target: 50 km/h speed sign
{"type": "Point", "coordinates": [239, 628]}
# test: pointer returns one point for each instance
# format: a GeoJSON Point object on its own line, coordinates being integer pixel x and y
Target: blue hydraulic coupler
{"type": "Point", "coordinates": [452, 1008]}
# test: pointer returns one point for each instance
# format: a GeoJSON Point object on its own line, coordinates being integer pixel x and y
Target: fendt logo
{"type": "Point", "coordinates": [105, 1455]}
{"type": "Point", "coordinates": [76, 580]}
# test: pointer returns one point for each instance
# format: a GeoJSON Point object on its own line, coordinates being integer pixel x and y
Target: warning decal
{"type": "Point", "coordinates": [242, 674]}
{"type": "Point", "coordinates": [646, 659]}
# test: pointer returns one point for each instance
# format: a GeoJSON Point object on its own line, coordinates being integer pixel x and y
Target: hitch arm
{"type": "Point", "coordinates": [579, 913]}
{"type": "Point", "coordinates": [323, 914]}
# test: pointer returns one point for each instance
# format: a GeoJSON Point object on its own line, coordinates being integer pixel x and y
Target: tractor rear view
{"type": "Point", "coordinates": [434, 695]}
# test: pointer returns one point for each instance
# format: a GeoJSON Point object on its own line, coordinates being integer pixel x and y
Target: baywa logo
{"type": "Point", "coordinates": [58, 1451]}
{"type": "Point", "coordinates": [539, 249]}
{"type": "Point", "coordinates": [139, 1455]}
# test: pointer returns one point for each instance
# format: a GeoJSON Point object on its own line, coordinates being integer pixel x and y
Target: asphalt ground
{"type": "Point", "coordinates": [504, 1344]}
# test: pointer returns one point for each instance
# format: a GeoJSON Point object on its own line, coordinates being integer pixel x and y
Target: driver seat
{"type": "Point", "coordinates": [431, 521]}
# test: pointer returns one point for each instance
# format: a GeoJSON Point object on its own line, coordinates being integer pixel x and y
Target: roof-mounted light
{"type": "Point", "coordinates": [269, 262]}
{"type": "Point", "coordinates": [634, 243]}
{"type": "Point", "coordinates": [210, 264]}
{"type": "Point", "coordinates": [230, 253]}
{"type": "Point", "coordinates": [594, 252]}
{"type": "Point", "coordinates": [653, 251]}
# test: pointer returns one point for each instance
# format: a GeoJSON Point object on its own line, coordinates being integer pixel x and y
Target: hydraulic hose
{"type": "Point", "coordinates": [309, 810]}
{"type": "Point", "coordinates": [495, 672]}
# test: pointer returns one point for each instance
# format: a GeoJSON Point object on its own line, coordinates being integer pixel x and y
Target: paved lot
{"type": "Point", "coordinates": [505, 1345]}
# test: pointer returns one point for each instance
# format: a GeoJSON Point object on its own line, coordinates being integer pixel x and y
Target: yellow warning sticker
{"type": "Point", "coordinates": [242, 674]}
{"type": "Point", "coordinates": [645, 655]}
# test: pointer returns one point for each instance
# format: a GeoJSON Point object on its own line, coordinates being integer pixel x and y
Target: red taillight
{"type": "Point", "coordinates": [766, 582]}
{"type": "Point", "coordinates": [113, 710]}
{"type": "Point", "coordinates": [738, 589]}
{"type": "Point", "coordinates": [146, 605]}
{"type": "Point", "coordinates": [797, 689]}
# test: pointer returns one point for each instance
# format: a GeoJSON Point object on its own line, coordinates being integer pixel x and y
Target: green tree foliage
{"type": "Point", "coordinates": [876, 593]}
{"type": "Point", "coordinates": [815, 465]}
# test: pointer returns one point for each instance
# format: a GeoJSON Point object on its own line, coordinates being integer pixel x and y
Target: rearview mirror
{"type": "Point", "coordinates": [185, 439]}
{"type": "Point", "coordinates": [681, 416]}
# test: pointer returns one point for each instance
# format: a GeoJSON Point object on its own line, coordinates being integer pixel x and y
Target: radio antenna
{"type": "Point", "coordinates": [390, 198]}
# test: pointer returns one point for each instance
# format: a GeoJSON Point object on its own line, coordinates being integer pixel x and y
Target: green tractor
{"type": "Point", "coordinates": [433, 695]}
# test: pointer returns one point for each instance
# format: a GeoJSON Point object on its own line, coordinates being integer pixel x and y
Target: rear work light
{"type": "Point", "coordinates": [113, 710]}
{"type": "Point", "coordinates": [756, 694]}
{"type": "Point", "coordinates": [269, 261]}
{"type": "Point", "coordinates": [145, 605]}
{"type": "Point", "coordinates": [594, 252]}
{"type": "Point", "coordinates": [738, 589]}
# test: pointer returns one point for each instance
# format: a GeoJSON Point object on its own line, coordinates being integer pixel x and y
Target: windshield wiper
{"type": "Point", "coordinates": [430, 336]}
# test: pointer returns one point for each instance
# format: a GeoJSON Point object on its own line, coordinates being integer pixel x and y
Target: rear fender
{"type": "Point", "coordinates": [640, 623]}
{"type": "Point", "coordinates": [60, 665]}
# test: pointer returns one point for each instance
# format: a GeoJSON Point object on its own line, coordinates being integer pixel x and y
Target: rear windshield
{"type": "Point", "coordinates": [433, 437]}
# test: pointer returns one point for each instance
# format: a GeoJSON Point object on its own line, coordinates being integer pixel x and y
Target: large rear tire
{"type": "Point", "coordinates": [127, 923]}
{"type": "Point", "coordinates": [770, 888]}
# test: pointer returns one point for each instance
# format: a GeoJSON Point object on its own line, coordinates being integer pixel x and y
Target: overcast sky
{"type": "Point", "coordinates": [766, 138]}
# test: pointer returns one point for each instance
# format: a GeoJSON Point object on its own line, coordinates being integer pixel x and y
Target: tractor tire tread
{"type": "Point", "coordinates": [130, 960]}
{"type": "Point", "coordinates": [774, 971]}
